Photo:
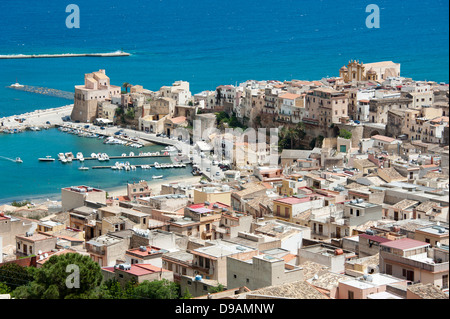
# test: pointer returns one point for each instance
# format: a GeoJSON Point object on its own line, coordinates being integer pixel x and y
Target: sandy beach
{"type": "Point", "coordinates": [155, 185]}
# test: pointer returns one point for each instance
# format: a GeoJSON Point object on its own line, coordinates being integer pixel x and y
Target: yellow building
{"type": "Point", "coordinates": [213, 195]}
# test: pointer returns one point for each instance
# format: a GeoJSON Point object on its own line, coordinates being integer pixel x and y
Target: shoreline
{"type": "Point", "coordinates": [154, 185]}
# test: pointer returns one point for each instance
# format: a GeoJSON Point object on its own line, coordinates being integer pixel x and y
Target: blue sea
{"type": "Point", "coordinates": [207, 43]}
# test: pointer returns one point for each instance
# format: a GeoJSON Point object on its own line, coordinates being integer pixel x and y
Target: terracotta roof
{"type": "Point", "coordinates": [289, 96]}
{"type": "Point", "coordinates": [428, 291]}
{"type": "Point", "coordinates": [294, 290]}
{"type": "Point", "coordinates": [404, 244]}
{"type": "Point", "coordinates": [383, 138]}
{"type": "Point", "coordinates": [378, 239]}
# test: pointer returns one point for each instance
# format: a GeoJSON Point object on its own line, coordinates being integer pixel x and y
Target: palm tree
{"type": "Point", "coordinates": [126, 85]}
{"type": "Point", "coordinates": [293, 134]}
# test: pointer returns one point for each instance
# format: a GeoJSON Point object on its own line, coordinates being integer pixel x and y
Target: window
{"type": "Point", "coordinates": [388, 269]}
{"type": "Point", "coordinates": [444, 281]}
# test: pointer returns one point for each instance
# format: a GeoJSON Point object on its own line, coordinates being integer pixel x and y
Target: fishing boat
{"type": "Point", "coordinates": [80, 155]}
{"type": "Point", "coordinates": [157, 176]}
{"type": "Point", "coordinates": [48, 158]}
{"type": "Point", "coordinates": [18, 160]}
{"type": "Point", "coordinates": [69, 155]}
{"type": "Point", "coordinates": [61, 156]}
{"type": "Point", "coordinates": [83, 168]}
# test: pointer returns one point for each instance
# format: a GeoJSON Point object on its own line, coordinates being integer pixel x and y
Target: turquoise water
{"type": "Point", "coordinates": [35, 179]}
{"type": "Point", "coordinates": [207, 43]}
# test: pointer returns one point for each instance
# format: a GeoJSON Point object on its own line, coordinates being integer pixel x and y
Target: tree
{"type": "Point", "coordinates": [111, 289]}
{"type": "Point", "coordinates": [53, 279]}
{"type": "Point", "coordinates": [186, 294]}
{"type": "Point", "coordinates": [157, 289]}
{"type": "Point", "coordinates": [126, 85]}
{"type": "Point", "coordinates": [4, 289]}
{"type": "Point", "coordinates": [218, 288]}
{"type": "Point", "coordinates": [345, 134]}
{"type": "Point", "coordinates": [13, 275]}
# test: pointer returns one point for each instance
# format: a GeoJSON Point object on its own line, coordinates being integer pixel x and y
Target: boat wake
{"type": "Point", "coordinates": [8, 159]}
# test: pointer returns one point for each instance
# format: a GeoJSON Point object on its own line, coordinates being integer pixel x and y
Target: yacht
{"type": "Point", "coordinates": [48, 158]}
{"type": "Point", "coordinates": [80, 156]}
{"type": "Point", "coordinates": [83, 168]}
{"type": "Point", "coordinates": [61, 156]}
{"type": "Point", "coordinates": [157, 176]}
{"type": "Point", "coordinates": [18, 160]}
{"type": "Point", "coordinates": [17, 85]}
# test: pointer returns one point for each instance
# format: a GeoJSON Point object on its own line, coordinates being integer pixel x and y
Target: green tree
{"type": "Point", "coordinates": [130, 113]}
{"type": "Point", "coordinates": [345, 134]}
{"type": "Point", "coordinates": [50, 280]}
{"type": "Point", "coordinates": [111, 289]}
{"type": "Point", "coordinates": [13, 275]}
{"type": "Point", "coordinates": [126, 85]}
{"type": "Point", "coordinates": [157, 289]}
{"type": "Point", "coordinates": [186, 294]}
{"type": "Point", "coordinates": [218, 288]}
{"type": "Point", "coordinates": [4, 289]}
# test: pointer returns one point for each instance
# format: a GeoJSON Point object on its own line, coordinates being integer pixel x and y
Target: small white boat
{"type": "Point", "coordinates": [48, 158]}
{"type": "Point", "coordinates": [61, 156]}
{"type": "Point", "coordinates": [19, 160]}
{"type": "Point", "coordinates": [131, 154]}
{"type": "Point", "coordinates": [17, 85]}
{"type": "Point", "coordinates": [80, 155]}
{"type": "Point", "coordinates": [93, 155]}
{"type": "Point", "coordinates": [64, 160]}
{"type": "Point", "coordinates": [123, 154]}
{"type": "Point", "coordinates": [157, 176]}
{"type": "Point", "coordinates": [83, 168]}
{"type": "Point", "coordinates": [69, 159]}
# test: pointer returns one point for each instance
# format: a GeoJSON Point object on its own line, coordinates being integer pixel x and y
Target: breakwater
{"type": "Point", "coordinates": [43, 90]}
{"type": "Point", "coordinates": [64, 55]}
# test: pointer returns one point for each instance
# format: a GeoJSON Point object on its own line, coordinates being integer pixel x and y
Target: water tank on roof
{"type": "Point", "coordinates": [338, 252]}
{"type": "Point", "coordinates": [206, 203]}
{"type": "Point", "coordinates": [370, 232]}
{"type": "Point", "coordinates": [143, 248]}
{"type": "Point", "coordinates": [360, 200]}
{"type": "Point", "coordinates": [198, 278]}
